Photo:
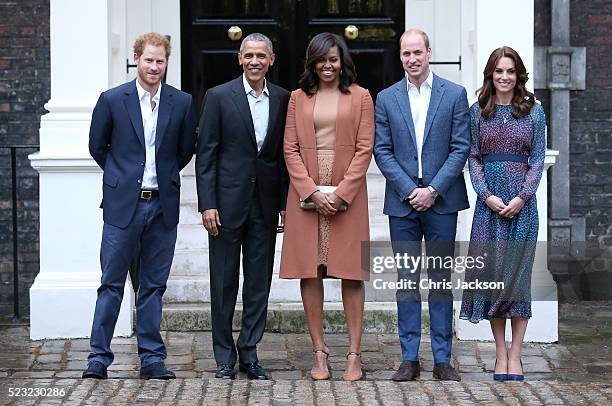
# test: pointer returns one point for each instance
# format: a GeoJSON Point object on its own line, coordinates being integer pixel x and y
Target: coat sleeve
{"type": "Point", "coordinates": [187, 137]}
{"type": "Point", "coordinates": [364, 143]}
{"type": "Point", "coordinates": [459, 146]}
{"type": "Point", "coordinates": [284, 175]}
{"type": "Point", "coordinates": [100, 131]}
{"type": "Point", "coordinates": [206, 152]}
{"type": "Point", "coordinates": [298, 174]}
{"type": "Point", "coordinates": [384, 153]}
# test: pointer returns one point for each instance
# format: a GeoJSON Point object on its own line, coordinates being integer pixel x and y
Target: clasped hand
{"type": "Point", "coordinates": [421, 199]}
{"type": "Point", "coordinates": [327, 204]}
{"type": "Point", "coordinates": [508, 211]}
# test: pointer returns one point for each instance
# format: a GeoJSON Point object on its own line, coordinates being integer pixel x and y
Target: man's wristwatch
{"type": "Point", "coordinates": [434, 192]}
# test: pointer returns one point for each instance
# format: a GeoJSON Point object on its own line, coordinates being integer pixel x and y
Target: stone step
{"type": "Point", "coordinates": [196, 288]}
{"type": "Point", "coordinates": [288, 317]}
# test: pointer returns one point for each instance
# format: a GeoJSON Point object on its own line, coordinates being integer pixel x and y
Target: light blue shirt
{"type": "Point", "coordinates": [260, 110]}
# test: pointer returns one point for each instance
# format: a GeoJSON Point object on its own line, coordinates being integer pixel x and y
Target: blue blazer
{"type": "Point", "coordinates": [116, 142]}
{"type": "Point", "coordinates": [446, 145]}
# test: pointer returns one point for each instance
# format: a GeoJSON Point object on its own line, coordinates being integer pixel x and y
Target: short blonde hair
{"type": "Point", "coordinates": [416, 31]}
{"type": "Point", "coordinates": [152, 38]}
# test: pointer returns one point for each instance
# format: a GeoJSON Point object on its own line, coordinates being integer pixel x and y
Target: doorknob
{"type": "Point", "coordinates": [351, 32]}
{"type": "Point", "coordinates": [234, 33]}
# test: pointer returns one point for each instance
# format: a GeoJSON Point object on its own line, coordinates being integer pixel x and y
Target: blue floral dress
{"type": "Point", "coordinates": [506, 160]}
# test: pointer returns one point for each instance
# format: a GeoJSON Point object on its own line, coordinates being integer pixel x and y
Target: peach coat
{"type": "Point", "coordinates": [353, 152]}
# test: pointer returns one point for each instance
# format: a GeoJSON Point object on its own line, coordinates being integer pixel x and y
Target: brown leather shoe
{"type": "Point", "coordinates": [408, 371]}
{"type": "Point", "coordinates": [445, 372]}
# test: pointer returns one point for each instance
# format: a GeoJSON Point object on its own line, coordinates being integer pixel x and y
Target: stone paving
{"type": "Point", "coordinates": [577, 370]}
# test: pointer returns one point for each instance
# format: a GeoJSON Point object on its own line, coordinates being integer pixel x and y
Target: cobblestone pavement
{"type": "Point", "coordinates": [577, 370]}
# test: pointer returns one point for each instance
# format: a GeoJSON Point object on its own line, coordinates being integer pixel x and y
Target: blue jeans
{"type": "Point", "coordinates": [119, 245]}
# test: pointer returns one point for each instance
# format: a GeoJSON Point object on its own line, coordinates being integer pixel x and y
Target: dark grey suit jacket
{"type": "Point", "coordinates": [229, 169]}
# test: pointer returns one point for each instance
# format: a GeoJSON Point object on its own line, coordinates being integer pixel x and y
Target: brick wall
{"type": "Point", "coordinates": [591, 137]}
{"type": "Point", "coordinates": [24, 88]}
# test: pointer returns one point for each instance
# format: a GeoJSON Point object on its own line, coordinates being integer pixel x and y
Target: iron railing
{"type": "Point", "coordinates": [13, 149]}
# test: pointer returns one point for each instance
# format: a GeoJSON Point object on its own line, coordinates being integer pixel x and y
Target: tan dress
{"type": "Point", "coordinates": [324, 118]}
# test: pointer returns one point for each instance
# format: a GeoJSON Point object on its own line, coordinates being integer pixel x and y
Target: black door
{"type": "Point", "coordinates": [211, 32]}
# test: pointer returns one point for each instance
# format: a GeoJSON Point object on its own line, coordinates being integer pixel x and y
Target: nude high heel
{"type": "Point", "coordinates": [321, 375]}
{"type": "Point", "coordinates": [353, 377]}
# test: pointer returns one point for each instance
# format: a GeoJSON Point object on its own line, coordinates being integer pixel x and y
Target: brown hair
{"type": "Point", "coordinates": [318, 47]}
{"type": "Point", "coordinates": [151, 38]}
{"type": "Point", "coordinates": [522, 101]}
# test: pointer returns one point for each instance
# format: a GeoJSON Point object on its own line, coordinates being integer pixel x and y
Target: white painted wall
{"type": "Point", "coordinates": [505, 22]}
{"type": "Point", "coordinates": [161, 16]}
{"type": "Point", "coordinates": [442, 21]}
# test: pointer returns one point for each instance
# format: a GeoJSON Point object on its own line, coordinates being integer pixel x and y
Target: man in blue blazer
{"type": "Point", "coordinates": [142, 134]}
{"type": "Point", "coordinates": [422, 144]}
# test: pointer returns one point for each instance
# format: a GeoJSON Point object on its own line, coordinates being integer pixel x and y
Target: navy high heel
{"type": "Point", "coordinates": [516, 377]}
{"type": "Point", "coordinates": [499, 377]}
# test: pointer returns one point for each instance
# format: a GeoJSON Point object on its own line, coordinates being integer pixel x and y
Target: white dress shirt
{"type": "Point", "coordinates": [260, 110]}
{"type": "Point", "coordinates": [419, 104]}
{"type": "Point", "coordinates": [149, 124]}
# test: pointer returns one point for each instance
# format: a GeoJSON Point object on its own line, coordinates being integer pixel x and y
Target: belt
{"type": "Point", "coordinates": [504, 157]}
{"type": "Point", "coordinates": [148, 194]}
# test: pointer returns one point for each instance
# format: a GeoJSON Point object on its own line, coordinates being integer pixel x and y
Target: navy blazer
{"type": "Point", "coordinates": [446, 145]}
{"type": "Point", "coordinates": [116, 142]}
{"type": "Point", "coordinates": [229, 169]}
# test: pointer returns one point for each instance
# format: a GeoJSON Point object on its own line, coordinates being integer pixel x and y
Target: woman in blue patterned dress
{"type": "Point", "coordinates": [506, 163]}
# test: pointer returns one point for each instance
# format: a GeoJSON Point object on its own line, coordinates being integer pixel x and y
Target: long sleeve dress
{"type": "Point", "coordinates": [506, 160]}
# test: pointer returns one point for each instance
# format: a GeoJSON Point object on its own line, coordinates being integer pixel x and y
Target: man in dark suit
{"type": "Point", "coordinates": [421, 146]}
{"type": "Point", "coordinates": [242, 187]}
{"type": "Point", "coordinates": [142, 134]}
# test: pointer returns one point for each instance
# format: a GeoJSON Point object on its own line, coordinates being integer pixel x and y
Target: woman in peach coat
{"type": "Point", "coordinates": [329, 135]}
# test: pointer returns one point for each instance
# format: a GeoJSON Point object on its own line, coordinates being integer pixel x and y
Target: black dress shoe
{"type": "Point", "coordinates": [408, 371]}
{"type": "Point", "coordinates": [225, 371]}
{"type": "Point", "coordinates": [445, 372]}
{"type": "Point", "coordinates": [156, 371]}
{"type": "Point", "coordinates": [254, 371]}
{"type": "Point", "coordinates": [96, 370]}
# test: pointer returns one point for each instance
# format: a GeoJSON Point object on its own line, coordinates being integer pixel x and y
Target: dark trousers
{"type": "Point", "coordinates": [156, 241]}
{"type": "Point", "coordinates": [257, 241]}
{"type": "Point", "coordinates": [406, 236]}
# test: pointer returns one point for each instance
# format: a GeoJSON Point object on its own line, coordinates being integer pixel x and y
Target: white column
{"type": "Point", "coordinates": [63, 295]}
